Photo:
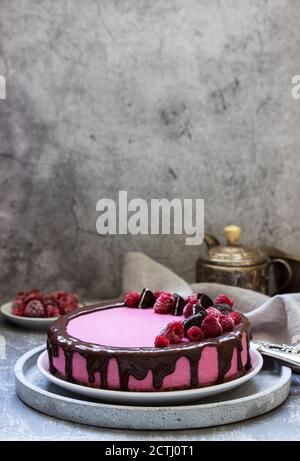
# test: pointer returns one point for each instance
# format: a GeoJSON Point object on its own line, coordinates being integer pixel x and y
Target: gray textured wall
{"type": "Point", "coordinates": [165, 98]}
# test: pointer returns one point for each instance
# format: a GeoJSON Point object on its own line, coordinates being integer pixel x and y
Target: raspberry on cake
{"type": "Point", "coordinates": [195, 333]}
{"type": "Point", "coordinates": [192, 299]}
{"type": "Point", "coordinates": [211, 326]}
{"type": "Point", "coordinates": [188, 310]}
{"type": "Point", "coordinates": [161, 341]}
{"type": "Point", "coordinates": [114, 346]}
{"type": "Point", "coordinates": [226, 322]}
{"type": "Point", "coordinates": [164, 303]}
{"type": "Point", "coordinates": [223, 299]}
{"type": "Point", "coordinates": [174, 331]}
{"type": "Point", "coordinates": [157, 293]}
{"type": "Point", "coordinates": [236, 317]}
{"type": "Point", "coordinates": [213, 311]}
{"type": "Point", "coordinates": [132, 299]}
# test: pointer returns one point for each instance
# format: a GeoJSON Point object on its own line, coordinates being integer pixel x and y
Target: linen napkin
{"type": "Point", "coordinates": [140, 271]}
{"type": "Point", "coordinates": [275, 319]}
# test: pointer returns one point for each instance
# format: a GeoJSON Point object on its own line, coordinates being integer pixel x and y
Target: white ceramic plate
{"type": "Point", "coordinates": [151, 398]}
{"type": "Point", "coordinates": [27, 322]}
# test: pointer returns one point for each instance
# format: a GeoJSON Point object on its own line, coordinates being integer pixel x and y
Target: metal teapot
{"type": "Point", "coordinates": [237, 265]}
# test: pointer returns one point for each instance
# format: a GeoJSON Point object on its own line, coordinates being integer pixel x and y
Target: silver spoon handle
{"type": "Point", "coordinates": [285, 354]}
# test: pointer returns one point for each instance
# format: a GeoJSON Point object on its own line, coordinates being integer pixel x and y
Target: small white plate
{"type": "Point", "coordinates": [151, 398]}
{"type": "Point", "coordinates": [26, 322]}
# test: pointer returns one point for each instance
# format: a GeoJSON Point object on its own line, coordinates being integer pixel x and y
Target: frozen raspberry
{"type": "Point", "coordinates": [161, 341]}
{"type": "Point", "coordinates": [58, 294]}
{"type": "Point", "coordinates": [192, 299]}
{"type": "Point", "coordinates": [236, 317]}
{"type": "Point", "coordinates": [164, 303]}
{"type": "Point", "coordinates": [49, 300]}
{"type": "Point", "coordinates": [195, 333]}
{"type": "Point", "coordinates": [34, 309]}
{"type": "Point", "coordinates": [226, 322]}
{"type": "Point", "coordinates": [66, 309]}
{"type": "Point", "coordinates": [158, 293]}
{"type": "Point", "coordinates": [20, 296]}
{"type": "Point", "coordinates": [52, 311]}
{"type": "Point", "coordinates": [223, 299]}
{"type": "Point", "coordinates": [188, 310]}
{"type": "Point", "coordinates": [17, 311]}
{"type": "Point", "coordinates": [211, 326]}
{"type": "Point", "coordinates": [18, 308]}
{"type": "Point", "coordinates": [132, 299]}
{"type": "Point", "coordinates": [213, 311]}
{"type": "Point", "coordinates": [67, 303]}
{"type": "Point", "coordinates": [174, 331]}
{"type": "Point", "coordinates": [33, 295]}
{"type": "Point", "coordinates": [75, 297]}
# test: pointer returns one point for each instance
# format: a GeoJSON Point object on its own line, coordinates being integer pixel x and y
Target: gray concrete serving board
{"type": "Point", "coordinates": [260, 395]}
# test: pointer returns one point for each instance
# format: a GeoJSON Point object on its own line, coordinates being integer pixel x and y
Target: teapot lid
{"type": "Point", "coordinates": [234, 254]}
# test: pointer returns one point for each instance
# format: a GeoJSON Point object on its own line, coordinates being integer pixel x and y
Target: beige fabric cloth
{"type": "Point", "coordinates": [274, 319]}
{"type": "Point", "coordinates": [140, 271]}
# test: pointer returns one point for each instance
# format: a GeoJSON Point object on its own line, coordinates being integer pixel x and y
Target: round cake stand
{"type": "Point", "coordinates": [263, 393]}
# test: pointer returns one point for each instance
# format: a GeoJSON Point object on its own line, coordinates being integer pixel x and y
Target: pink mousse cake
{"type": "Point", "coordinates": [113, 346]}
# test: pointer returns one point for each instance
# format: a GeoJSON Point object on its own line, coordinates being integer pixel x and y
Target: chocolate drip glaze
{"type": "Point", "coordinates": [52, 369]}
{"type": "Point", "coordinates": [68, 365]}
{"type": "Point", "coordinates": [137, 362]}
{"type": "Point", "coordinates": [239, 356]}
{"type": "Point", "coordinates": [248, 363]}
{"type": "Point", "coordinates": [225, 357]}
{"type": "Point", "coordinates": [194, 359]}
{"type": "Point", "coordinates": [96, 363]}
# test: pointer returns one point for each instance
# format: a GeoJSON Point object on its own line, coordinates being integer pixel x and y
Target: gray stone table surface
{"type": "Point", "coordinates": [19, 422]}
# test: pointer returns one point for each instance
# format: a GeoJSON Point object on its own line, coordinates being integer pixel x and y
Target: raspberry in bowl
{"type": "Point", "coordinates": [146, 343]}
{"type": "Point", "coordinates": [37, 310]}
